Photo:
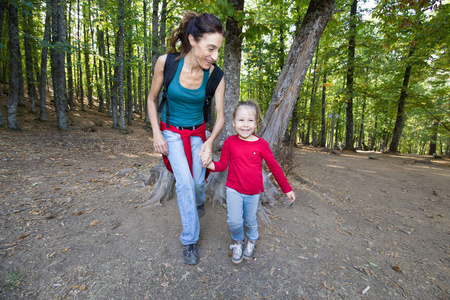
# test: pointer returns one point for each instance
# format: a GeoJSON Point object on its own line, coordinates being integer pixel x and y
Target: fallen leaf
{"type": "Point", "coordinates": [83, 287]}
{"type": "Point", "coordinates": [65, 250]}
{"type": "Point", "coordinates": [397, 269]}
{"type": "Point", "coordinates": [95, 223]}
{"type": "Point", "coordinates": [327, 287]}
{"type": "Point", "coordinates": [165, 284]}
{"type": "Point", "coordinates": [340, 231]}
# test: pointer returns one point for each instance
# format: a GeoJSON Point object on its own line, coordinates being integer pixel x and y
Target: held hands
{"type": "Point", "coordinates": [206, 154]}
{"type": "Point", "coordinates": [291, 196]}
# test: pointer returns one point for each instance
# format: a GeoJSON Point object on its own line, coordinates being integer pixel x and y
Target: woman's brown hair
{"type": "Point", "coordinates": [196, 25]}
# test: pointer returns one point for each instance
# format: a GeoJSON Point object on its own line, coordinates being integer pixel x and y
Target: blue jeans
{"type": "Point", "coordinates": [242, 210]}
{"type": "Point", "coordinates": [190, 190]}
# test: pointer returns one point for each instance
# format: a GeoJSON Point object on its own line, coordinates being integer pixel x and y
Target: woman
{"type": "Point", "coordinates": [200, 37]}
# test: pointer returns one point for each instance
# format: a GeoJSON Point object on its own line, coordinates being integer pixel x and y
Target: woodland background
{"type": "Point", "coordinates": [381, 68]}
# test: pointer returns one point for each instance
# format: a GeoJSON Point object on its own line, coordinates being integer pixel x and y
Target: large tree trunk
{"type": "Point", "coordinates": [400, 121]}
{"type": "Point", "coordinates": [58, 62]}
{"type": "Point", "coordinates": [291, 78]}
{"type": "Point", "coordinates": [350, 73]}
{"type": "Point", "coordinates": [14, 51]}
{"type": "Point", "coordinates": [232, 72]}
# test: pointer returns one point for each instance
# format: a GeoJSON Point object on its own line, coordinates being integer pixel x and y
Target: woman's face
{"type": "Point", "coordinates": [206, 50]}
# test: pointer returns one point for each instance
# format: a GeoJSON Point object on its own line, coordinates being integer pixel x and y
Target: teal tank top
{"type": "Point", "coordinates": [185, 105]}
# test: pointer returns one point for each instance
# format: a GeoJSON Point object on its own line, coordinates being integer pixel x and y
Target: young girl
{"type": "Point", "coordinates": [243, 153]}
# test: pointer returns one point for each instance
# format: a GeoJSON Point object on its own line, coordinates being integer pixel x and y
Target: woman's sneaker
{"type": "Point", "coordinates": [238, 251]}
{"type": "Point", "coordinates": [249, 250]}
{"type": "Point", "coordinates": [190, 254]}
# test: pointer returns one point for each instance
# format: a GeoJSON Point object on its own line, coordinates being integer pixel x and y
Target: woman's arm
{"type": "Point", "coordinates": [206, 150]}
{"type": "Point", "coordinates": [159, 143]}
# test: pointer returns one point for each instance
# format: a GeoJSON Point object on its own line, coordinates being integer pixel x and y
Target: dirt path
{"type": "Point", "coordinates": [71, 227]}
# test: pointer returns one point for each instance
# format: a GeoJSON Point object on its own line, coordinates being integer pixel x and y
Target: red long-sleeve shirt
{"type": "Point", "coordinates": [245, 165]}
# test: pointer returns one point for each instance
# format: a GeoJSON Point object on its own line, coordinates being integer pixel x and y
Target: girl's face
{"type": "Point", "coordinates": [206, 50]}
{"type": "Point", "coordinates": [245, 122]}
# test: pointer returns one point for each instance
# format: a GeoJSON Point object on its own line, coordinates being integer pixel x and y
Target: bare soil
{"type": "Point", "coordinates": [365, 225]}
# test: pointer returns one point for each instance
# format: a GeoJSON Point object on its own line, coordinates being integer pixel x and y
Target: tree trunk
{"type": "Point", "coordinates": [99, 72]}
{"type": "Point", "coordinates": [294, 126]}
{"type": "Point", "coordinates": [139, 86]}
{"type": "Point", "coordinates": [14, 51]}
{"type": "Point", "coordinates": [433, 140]}
{"type": "Point", "coordinates": [400, 121]}
{"type": "Point", "coordinates": [69, 60]}
{"type": "Point", "coordinates": [58, 60]}
{"type": "Point", "coordinates": [155, 40]}
{"type": "Point", "coordinates": [162, 27]}
{"type": "Point", "coordinates": [120, 42]}
{"type": "Point", "coordinates": [361, 144]}
{"type": "Point", "coordinates": [87, 65]}
{"type": "Point", "coordinates": [101, 42]}
{"type": "Point", "coordinates": [129, 83]}
{"type": "Point", "coordinates": [147, 119]}
{"type": "Point", "coordinates": [323, 134]}
{"type": "Point", "coordinates": [350, 74]}
{"type": "Point", "coordinates": [232, 74]}
{"type": "Point", "coordinates": [44, 59]}
{"type": "Point", "coordinates": [80, 72]}
{"type": "Point", "coordinates": [291, 78]}
{"type": "Point", "coordinates": [29, 50]}
{"type": "Point", "coordinates": [2, 14]}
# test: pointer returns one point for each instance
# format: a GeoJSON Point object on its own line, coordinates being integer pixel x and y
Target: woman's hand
{"type": "Point", "coordinates": [206, 153]}
{"type": "Point", "coordinates": [160, 144]}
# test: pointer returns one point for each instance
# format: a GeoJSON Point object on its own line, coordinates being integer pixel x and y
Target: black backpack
{"type": "Point", "coordinates": [170, 68]}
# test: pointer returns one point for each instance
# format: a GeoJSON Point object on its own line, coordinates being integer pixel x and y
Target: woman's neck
{"type": "Point", "coordinates": [190, 63]}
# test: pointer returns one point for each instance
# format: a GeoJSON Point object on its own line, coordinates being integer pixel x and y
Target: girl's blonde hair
{"type": "Point", "coordinates": [252, 104]}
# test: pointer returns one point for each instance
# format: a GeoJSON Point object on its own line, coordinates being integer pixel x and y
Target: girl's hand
{"type": "Point", "coordinates": [160, 144]}
{"type": "Point", "coordinates": [291, 196]}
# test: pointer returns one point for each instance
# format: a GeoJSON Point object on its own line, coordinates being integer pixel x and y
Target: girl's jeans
{"type": "Point", "coordinates": [190, 191]}
{"type": "Point", "coordinates": [242, 210]}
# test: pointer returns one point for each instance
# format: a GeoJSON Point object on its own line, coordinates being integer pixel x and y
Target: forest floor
{"type": "Point", "coordinates": [365, 225]}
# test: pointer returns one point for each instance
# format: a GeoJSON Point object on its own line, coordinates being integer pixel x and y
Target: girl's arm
{"type": "Point", "coordinates": [222, 164]}
{"type": "Point", "coordinates": [278, 172]}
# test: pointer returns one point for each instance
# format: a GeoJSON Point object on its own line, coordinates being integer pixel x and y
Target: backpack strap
{"type": "Point", "coordinates": [211, 86]}
{"type": "Point", "coordinates": [170, 68]}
